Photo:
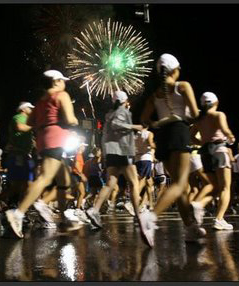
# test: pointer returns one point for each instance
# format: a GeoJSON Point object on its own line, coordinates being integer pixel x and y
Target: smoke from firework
{"type": "Point", "coordinates": [56, 25]}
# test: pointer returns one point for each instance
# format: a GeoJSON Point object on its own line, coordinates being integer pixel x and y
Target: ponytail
{"type": "Point", "coordinates": [163, 76]}
{"type": "Point", "coordinates": [204, 110]}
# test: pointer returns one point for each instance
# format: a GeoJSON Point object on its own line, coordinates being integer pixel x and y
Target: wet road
{"type": "Point", "coordinates": [117, 253]}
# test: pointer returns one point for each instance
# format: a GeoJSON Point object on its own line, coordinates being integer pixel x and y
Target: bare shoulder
{"type": "Point", "coordinates": [183, 86]}
{"type": "Point", "coordinates": [63, 94]}
{"type": "Point", "coordinates": [63, 97]}
{"type": "Point", "coordinates": [219, 114]}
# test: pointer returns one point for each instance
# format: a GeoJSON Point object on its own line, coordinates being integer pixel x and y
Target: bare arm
{"type": "Point", "coordinates": [223, 125]}
{"type": "Point", "coordinates": [193, 132]}
{"type": "Point", "coordinates": [186, 90]}
{"type": "Point", "coordinates": [67, 109]}
{"type": "Point", "coordinates": [23, 127]}
{"type": "Point", "coordinates": [151, 140]}
{"type": "Point", "coordinates": [232, 159]}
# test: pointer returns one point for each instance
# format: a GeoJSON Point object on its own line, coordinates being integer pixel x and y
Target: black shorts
{"type": "Point", "coordinates": [95, 182]}
{"type": "Point", "coordinates": [76, 178]}
{"type": "Point", "coordinates": [174, 136]}
{"type": "Point", "coordinates": [113, 160]}
{"type": "Point", "coordinates": [144, 168]}
{"type": "Point", "coordinates": [160, 179]}
{"type": "Point", "coordinates": [56, 153]}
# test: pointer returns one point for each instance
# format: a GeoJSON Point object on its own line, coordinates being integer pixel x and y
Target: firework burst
{"type": "Point", "coordinates": [110, 56]}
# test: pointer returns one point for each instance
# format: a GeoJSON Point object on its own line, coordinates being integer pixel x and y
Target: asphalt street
{"type": "Point", "coordinates": [117, 253]}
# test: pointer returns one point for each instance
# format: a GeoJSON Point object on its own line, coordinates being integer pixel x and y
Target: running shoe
{"type": "Point", "coordinates": [81, 216]}
{"type": "Point", "coordinates": [130, 209]}
{"type": "Point", "coordinates": [198, 212]}
{"type": "Point", "coordinates": [147, 223]}
{"type": "Point", "coordinates": [194, 232]}
{"type": "Point", "coordinates": [221, 224]}
{"type": "Point", "coordinates": [44, 211]}
{"type": "Point", "coordinates": [94, 216]}
{"type": "Point", "coordinates": [70, 215]}
{"type": "Point", "coordinates": [110, 209]}
{"type": "Point", "coordinates": [15, 221]}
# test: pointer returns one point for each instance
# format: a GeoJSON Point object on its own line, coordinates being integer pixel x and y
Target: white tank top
{"type": "Point", "coordinates": [177, 102]}
{"type": "Point", "coordinates": [143, 149]}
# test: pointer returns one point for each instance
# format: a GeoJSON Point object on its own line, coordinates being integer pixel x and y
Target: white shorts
{"type": "Point", "coordinates": [195, 162]}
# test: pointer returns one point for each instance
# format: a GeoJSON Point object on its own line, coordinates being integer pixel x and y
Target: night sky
{"type": "Point", "coordinates": [204, 38]}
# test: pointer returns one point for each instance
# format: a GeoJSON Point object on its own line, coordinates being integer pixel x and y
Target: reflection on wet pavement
{"type": "Point", "coordinates": [117, 253]}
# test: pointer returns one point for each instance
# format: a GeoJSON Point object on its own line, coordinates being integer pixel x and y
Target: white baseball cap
{"type": "Point", "coordinates": [54, 74]}
{"type": "Point", "coordinates": [168, 61]}
{"type": "Point", "coordinates": [208, 97]}
{"type": "Point", "coordinates": [119, 95]}
{"type": "Point", "coordinates": [24, 104]}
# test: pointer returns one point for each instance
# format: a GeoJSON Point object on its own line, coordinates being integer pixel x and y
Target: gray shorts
{"type": "Point", "coordinates": [215, 161]}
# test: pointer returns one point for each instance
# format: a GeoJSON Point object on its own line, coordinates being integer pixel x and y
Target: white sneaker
{"type": "Point", "coordinates": [120, 205]}
{"type": "Point", "coordinates": [15, 222]}
{"type": "Point", "coordinates": [81, 216]}
{"type": "Point", "coordinates": [222, 224]}
{"type": "Point", "coordinates": [70, 215]}
{"type": "Point", "coordinates": [44, 210]}
{"type": "Point", "coordinates": [194, 232]}
{"type": "Point", "coordinates": [130, 209]}
{"type": "Point", "coordinates": [198, 212]}
{"type": "Point", "coordinates": [94, 216]}
{"type": "Point", "coordinates": [147, 223]}
{"type": "Point", "coordinates": [111, 208]}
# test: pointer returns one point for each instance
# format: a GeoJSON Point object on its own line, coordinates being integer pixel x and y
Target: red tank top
{"type": "Point", "coordinates": [46, 119]}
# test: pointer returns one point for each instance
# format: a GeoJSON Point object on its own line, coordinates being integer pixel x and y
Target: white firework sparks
{"type": "Point", "coordinates": [110, 56]}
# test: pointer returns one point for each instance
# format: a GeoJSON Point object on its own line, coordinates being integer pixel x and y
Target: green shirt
{"type": "Point", "coordinates": [19, 141]}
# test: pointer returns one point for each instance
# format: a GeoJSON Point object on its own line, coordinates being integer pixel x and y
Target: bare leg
{"type": "Point", "coordinates": [50, 167]}
{"type": "Point", "coordinates": [207, 193]}
{"type": "Point", "coordinates": [63, 184]}
{"type": "Point", "coordinates": [142, 183]}
{"type": "Point", "coordinates": [50, 196]}
{"type": "Point", "coordinates": [224, 182]}
{"type": "Point", "coordinates": [193, 186]}
{"type": "Point", "coordinates": [81, 188]}
{"type": "Point", "coordinates": [162, 188]}
{"type": "Point", "coordinates": [114, 194]}
{"type": "Point", "coordinates": [179, 174]}
{"type": "Point", "coordinates": [105, 192]}
{"type": "Point", "coordinates": [131, 175]}
{"type": "Point", "coordinates": [150, 190]}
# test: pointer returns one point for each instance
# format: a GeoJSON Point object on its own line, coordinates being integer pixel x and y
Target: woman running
{"type": "Point", "coordinates": [119, 150]}
{"type": "Point", "coordinates": [170, 99]}
{"type": "Point", "coordinates": [215, 133]}
{"type": "Point", "coordinates": [52, 111]}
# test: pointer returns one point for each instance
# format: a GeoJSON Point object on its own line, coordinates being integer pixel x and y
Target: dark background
{"type": "Point", "coordinates": [202, 36]}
